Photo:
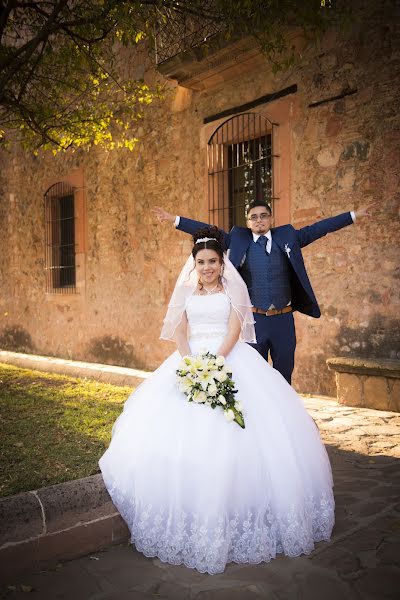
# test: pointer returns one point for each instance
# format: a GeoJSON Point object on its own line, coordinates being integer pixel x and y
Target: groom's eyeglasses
{"type": "Point", "coordinates": [263, 216]}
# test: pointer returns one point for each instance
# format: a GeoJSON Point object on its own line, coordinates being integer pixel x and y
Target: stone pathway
{"type": "Point", "coordinates": [362, 561]}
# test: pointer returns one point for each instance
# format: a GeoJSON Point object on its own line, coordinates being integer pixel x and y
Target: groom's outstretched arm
{"type": "Point", "coordinates": [190, 226]}
{"type": "Point", "coordinates": [309, 234]}
{"type": "Point", "coordinates": [187, 225]}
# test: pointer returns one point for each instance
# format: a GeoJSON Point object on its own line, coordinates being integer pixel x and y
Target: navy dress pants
{"type": "Point", "coordinates": [277, 335]}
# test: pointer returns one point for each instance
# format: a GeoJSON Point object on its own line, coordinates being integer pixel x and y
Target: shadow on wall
{"type": "Point", "coordinates": [379, 338]}
{"type": "Point", "coordinates": [16, 339]}
{"type": "Point", "coordinates": [112, 350]}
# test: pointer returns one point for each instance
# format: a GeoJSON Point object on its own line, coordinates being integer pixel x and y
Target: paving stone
{"type": "Point", "coordinates": [342, 524]}
{"type": "Point", "coordinates": [322, 584]}
{"type": "Point", "coordinates": [172, 590]}
{"type": "Point", "coordinates": [367, 508]}
{"type": "Point", "coordinates": [389, 553]}
{"type": "Point", "coordinates": [384, 443]}
{"type": "Point", "coordinates": [340, 560]}
{"type": "Point", "coordinates": [269, 574]}
{"type": "Point", "coordinates": [128, 595]}
{"type": "Point", "coordinates": [355, 485]}
{"type": "Point", "coordinates": [386, 491]}
{"type": "Point", "coordinates": [381, 429]}
{"type": "Point", "coordinates": [70, 582]}
{"type": "Point", "coordinates": [343, 499]}
{"type": "Point", "coordinates": [241, 593]}
{"type": "Point", "coordinates": [370, 584]}
{"type": "Point", "coordinates": [369, 537]}
{"type": "Point", "coordinates": [181, 573]}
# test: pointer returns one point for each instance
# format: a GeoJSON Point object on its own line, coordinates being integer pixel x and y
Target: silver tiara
{"type": "Point", "coordinates": [205, 240]}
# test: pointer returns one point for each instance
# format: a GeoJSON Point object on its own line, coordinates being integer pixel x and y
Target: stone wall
{"type": "Point", "coordinates": [334, 157]}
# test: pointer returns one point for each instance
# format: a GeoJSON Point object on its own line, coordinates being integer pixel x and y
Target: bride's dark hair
{"type": "Point", "coordinates": [216, 243]}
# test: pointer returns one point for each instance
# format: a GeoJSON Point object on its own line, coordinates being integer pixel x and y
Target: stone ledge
{"type": "Point", "coordinates": [105, 373]}
{"type": "Point", "coordinates": [60, 522]}
{"type": "Point", "coordinates": [369, 383]}
{"type": "Point", "coordinates": [364, 366]}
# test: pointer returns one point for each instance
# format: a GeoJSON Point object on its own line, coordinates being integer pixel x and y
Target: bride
{"type": "Point", "coordinates": [198, 490]}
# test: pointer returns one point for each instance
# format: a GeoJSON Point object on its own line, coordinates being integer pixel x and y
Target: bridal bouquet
{"type": "Point", "coordinates": [206, 379]}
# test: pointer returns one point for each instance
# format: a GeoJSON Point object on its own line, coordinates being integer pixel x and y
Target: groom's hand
{"type": "Point", "coordinates": [162, 215]}
{"type": "Point", "coordinates": [365, 211]}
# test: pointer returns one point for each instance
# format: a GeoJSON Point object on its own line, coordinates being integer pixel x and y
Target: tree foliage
{"type": "Point", "coordinates": [61, 83]}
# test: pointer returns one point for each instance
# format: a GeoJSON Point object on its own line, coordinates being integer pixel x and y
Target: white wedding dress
{"type": "Point", "coordinates": [197, 490]}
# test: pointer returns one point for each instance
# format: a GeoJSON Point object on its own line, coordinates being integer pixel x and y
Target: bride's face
{"type": "Point", "coordinates": [208, 266]}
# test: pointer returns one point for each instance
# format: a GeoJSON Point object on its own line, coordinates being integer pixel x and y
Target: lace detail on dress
{"type": "Point", "coordinates": [197, 490]}
{"type": "Point", "coordinates": [207, 544]}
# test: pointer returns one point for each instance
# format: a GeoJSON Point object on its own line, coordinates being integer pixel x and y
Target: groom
{"type": "Point", "coordinates": [271, 263]}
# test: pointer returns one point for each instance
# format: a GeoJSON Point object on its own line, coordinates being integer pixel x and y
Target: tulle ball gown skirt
{"type": "Point", "coordinates": [197, 490]}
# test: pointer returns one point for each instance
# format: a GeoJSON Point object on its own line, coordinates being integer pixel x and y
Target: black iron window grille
{"type": "Point", "coordinates": [60, 263]}
{"type": "Point", "coordinates": [240, 168]}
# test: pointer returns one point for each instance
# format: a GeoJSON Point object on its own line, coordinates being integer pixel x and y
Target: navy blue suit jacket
{"type": "Point", "coordinates": [238, 240]}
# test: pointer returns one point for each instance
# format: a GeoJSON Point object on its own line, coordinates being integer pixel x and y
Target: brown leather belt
{"type": "Point", "coordinates": [272, 311]}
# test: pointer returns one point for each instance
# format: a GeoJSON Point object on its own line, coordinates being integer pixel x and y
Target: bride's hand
{"type": "Point", "coordinates": [162, 215]}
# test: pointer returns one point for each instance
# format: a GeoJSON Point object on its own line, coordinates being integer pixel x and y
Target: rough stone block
{"type": "Point", "coordinates": [376, 393]}
{"type": "Point", "coordinates": [78, 541]}
{"type": "Point", "coordinates": [67, 504]}
{"type": "Point", "coordinates": [395, 396]}
{"type": "Point", "coordinates": [329, 157]}
{"type": "Point", "coordinates": [20, 518]}
{"type": "Point", "coordinates": [349, 389]}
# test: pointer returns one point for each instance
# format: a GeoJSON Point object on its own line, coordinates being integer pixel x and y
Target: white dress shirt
{"type": "Point", "coordinates": [268, 235]}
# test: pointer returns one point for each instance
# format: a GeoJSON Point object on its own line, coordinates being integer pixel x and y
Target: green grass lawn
{"type": "Point", "coordinates": [52, 428]}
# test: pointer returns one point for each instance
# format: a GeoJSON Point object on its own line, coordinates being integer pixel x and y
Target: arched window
{"type": "Point", "coordinates": [240, 168]}
{"type": "Point", "coordinates": [60, 213]}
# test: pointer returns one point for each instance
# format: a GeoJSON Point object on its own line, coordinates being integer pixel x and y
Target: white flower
{"type": "Point", "coordinates": [229, 415]}
{"type": "Point", "coordinates": [238, 405]}
{"type": "Point", "coordinates": [204, 378]}
{"type": "Point", "coordinates": [197, 363]}
{"type": "Point", "coordinates": [221, 376]}
{"type": "Point", "coordinates": [200, 397]}
{"type": "Point", "coordinates": [228, 370]}
{"type": "Point", "coordinates": [220, 361]}
{"type": "Point", "coordinates": [212, 390]}
{"type": "Point", "coordinates": [184, 364]}
{"type": "Point", "coordinates": [221, 399]}
{"type": "Point", "coordinates": [185, 384]}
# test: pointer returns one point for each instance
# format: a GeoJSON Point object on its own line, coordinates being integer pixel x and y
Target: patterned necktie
{"type": "Point", "coordinates": [262, 240]}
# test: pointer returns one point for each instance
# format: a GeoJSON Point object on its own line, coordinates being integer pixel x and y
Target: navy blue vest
{"type": "Point", "coordinates": [267, 276]}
